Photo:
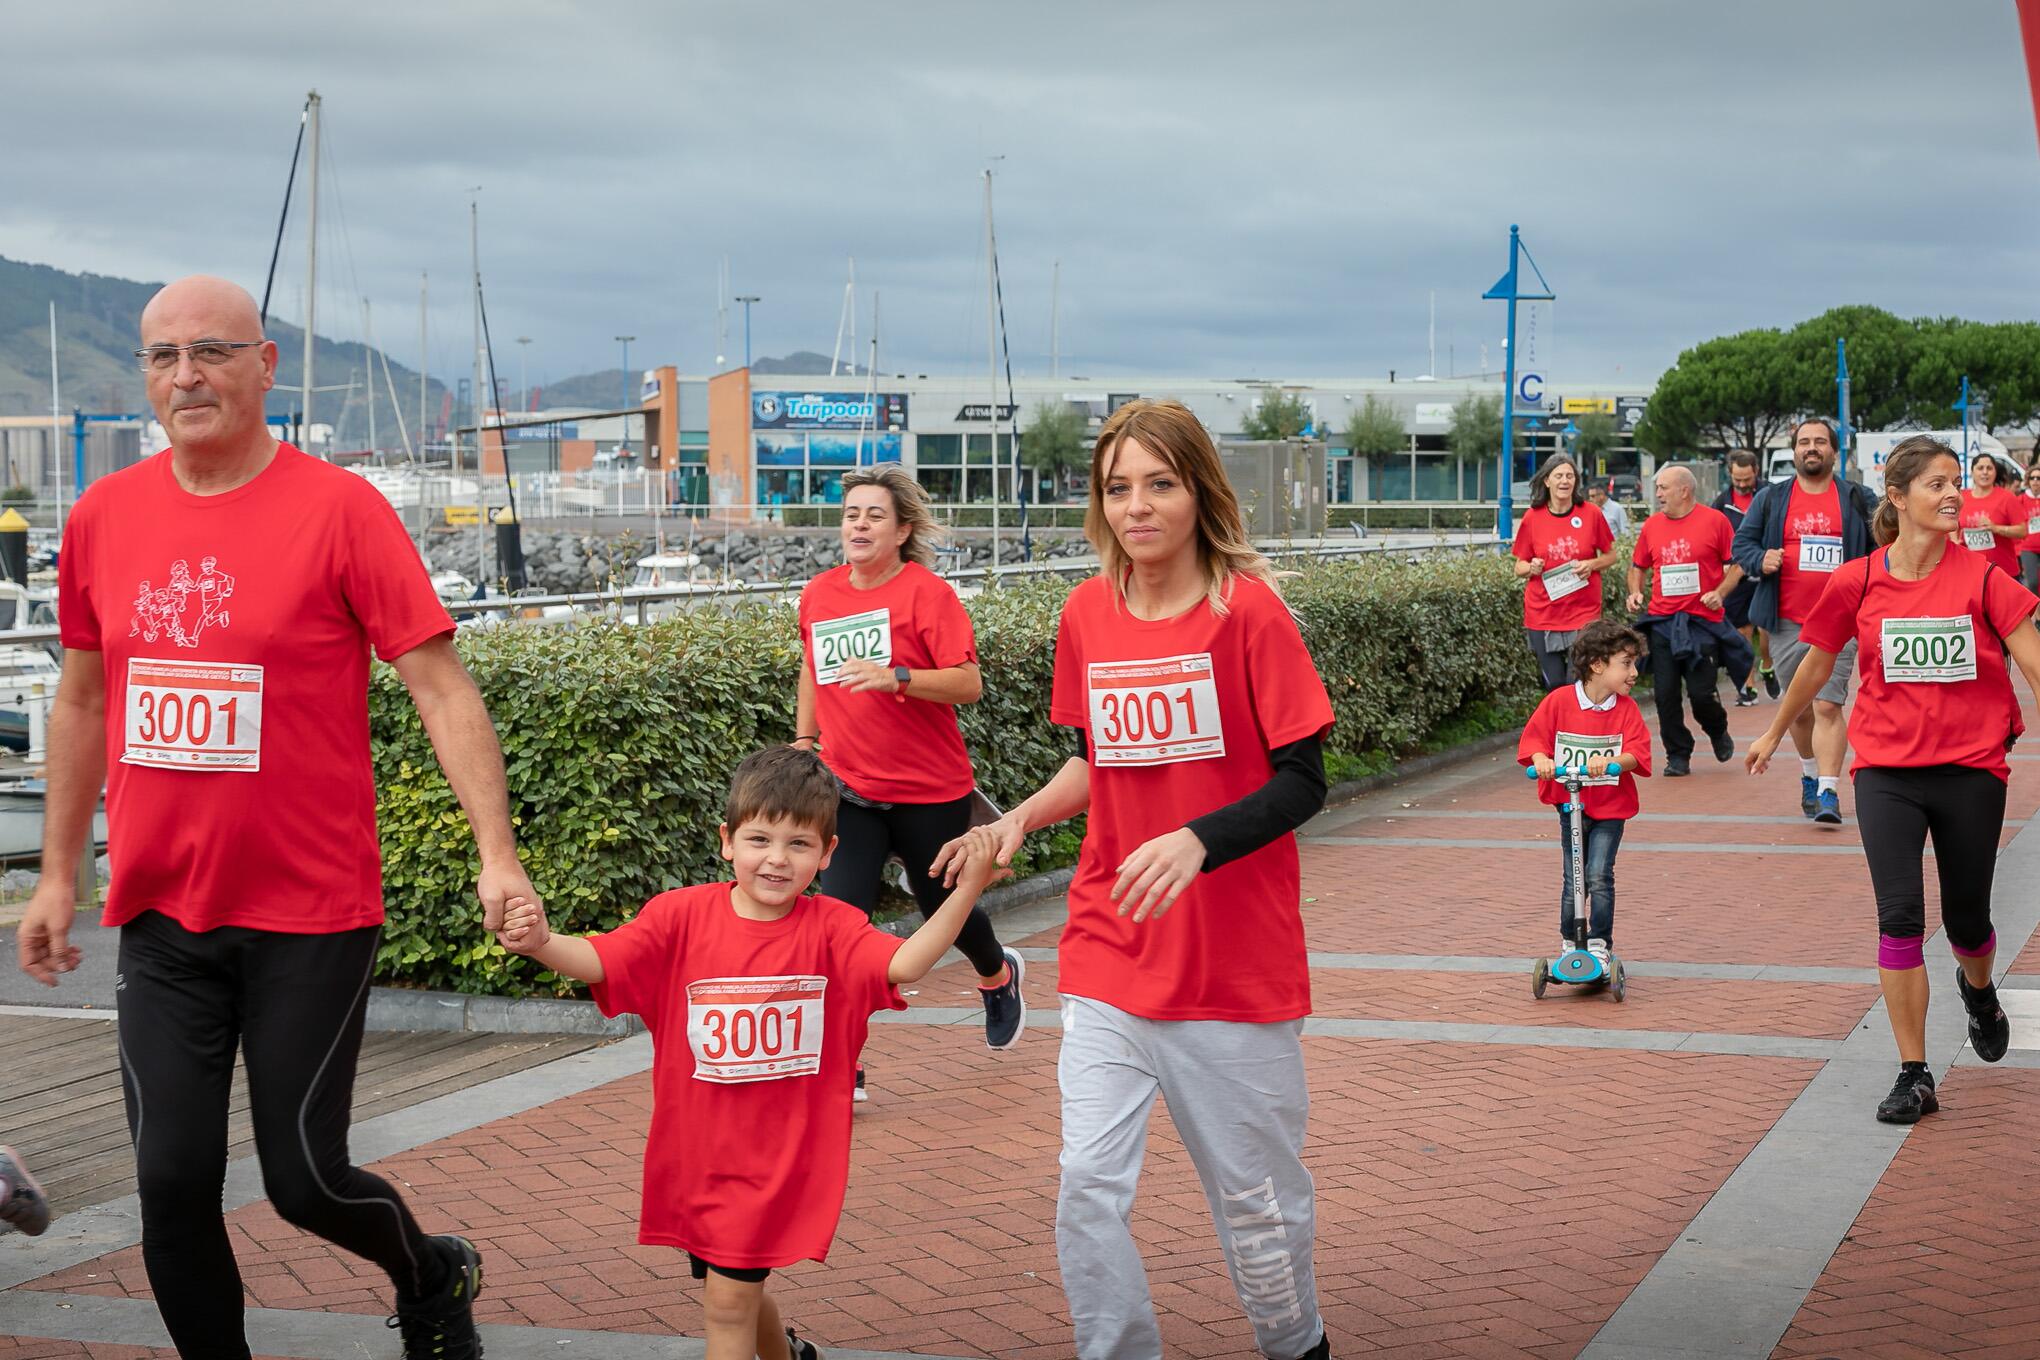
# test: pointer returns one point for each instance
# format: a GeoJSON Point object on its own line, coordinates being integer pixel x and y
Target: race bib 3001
{"type": "Point", "coordinates": [1929, 651]}
{"type": "Point", "coordinates": [1820, 552]}
{"type": "Point", "coordinates": [1155, 712]}
{"type": "Point", "coordinates": [1678, 578]}
{"type": "Point", "coordinates": [855, 637]}
{"type": "Point", "coordinates": [755, 1028]}
{"type": "Point", "coordinates": [1978, 539]}
{"type": "Point", "coordinates": [193, 715]}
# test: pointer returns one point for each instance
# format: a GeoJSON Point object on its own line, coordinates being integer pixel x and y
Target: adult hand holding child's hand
{"type": "Point", "coordinates": [524, 927]}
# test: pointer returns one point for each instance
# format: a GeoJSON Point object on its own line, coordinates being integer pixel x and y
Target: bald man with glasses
{"type": "Point", "coordinates": [233, 745]}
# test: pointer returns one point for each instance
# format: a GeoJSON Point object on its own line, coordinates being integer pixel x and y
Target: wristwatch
{"type": "Point", "coordinates": [902, 675]}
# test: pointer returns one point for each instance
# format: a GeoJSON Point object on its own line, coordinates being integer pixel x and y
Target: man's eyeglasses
{"type": "Point", "coordinates": [213, 353]}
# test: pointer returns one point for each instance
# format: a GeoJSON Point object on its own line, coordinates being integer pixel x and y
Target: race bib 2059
{"type": "Point", "coordinates": [193, 715]}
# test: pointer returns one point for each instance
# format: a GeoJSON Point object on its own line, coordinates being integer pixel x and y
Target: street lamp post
{"type": "Point", "coordinates": [747, 301]}
{"type": "Point", "coordinates": [523, 387]}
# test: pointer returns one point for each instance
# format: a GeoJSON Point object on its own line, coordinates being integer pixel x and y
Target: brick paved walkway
{"type": "Point", "coordinates": [1497, 1175]}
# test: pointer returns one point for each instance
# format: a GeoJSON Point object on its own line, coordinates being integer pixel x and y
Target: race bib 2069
{"type": "Point", "coordinates": [755, 1028]}
{"type": "Point", "coordinates": [855, 637]}
{"type": "Point", "coordinates": [1155, 712]}
{"type": "Point", "coordinates": [1678, 578]}
{"type": "Point", "coordinates": [193, 715]}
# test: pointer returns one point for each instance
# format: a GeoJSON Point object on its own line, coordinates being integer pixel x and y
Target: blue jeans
{"type": "Point", "coordinates": [1602, 837]}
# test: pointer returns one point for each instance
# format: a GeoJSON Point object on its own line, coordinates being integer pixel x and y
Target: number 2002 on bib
{"type": "Point", "coordinates": [1155, 712]}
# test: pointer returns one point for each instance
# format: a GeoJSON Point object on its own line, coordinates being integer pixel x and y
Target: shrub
{"type": "Point", "coordinates": [618, 740]}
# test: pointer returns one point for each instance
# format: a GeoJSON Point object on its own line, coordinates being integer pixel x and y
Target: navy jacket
{"type": "Point", "coordinates": [1763, 528]}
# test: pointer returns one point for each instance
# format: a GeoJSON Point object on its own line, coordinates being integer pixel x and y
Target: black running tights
{"type": "Point", "coordinates": [294, 1005]}
{"type": "Point", "coordinates": [1964, 810]}
{"type": "Point", "coordinates": [914, 832]}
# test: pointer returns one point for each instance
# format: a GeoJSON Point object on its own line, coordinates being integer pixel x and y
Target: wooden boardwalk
{"type": "Point", "coordinates": [60, 1093]}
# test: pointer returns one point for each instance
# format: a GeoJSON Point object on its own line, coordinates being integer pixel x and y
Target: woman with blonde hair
{"type": "Point", "coordinates": [887, 654]}
{"type": "Point", "coordinates": [1182, 966]}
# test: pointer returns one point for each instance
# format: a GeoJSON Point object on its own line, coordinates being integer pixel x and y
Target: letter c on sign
{"type": "Point", "coordinates": [1530, 388]}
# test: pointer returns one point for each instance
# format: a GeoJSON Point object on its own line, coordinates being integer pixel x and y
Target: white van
{"type": "Point", "coordinates": [1874, 446]}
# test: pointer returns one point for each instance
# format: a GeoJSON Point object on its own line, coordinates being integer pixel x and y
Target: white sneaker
{"type": "Point", "coordinates": [1598, 948]}
{"type": "Point", "coordinates": [1565, 946]}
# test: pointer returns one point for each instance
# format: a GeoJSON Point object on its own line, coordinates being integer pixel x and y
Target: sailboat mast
{"type": "Point", "coordinates": [991, 367]}
{"type": "Point", "coordinates": [423, 281]}
{"type": "Point", "coordinates": [481, 495]}
{"type": "Point", "coordinates": [1055, 321]}
{"type": "Point", "coordinates": [56, 419]}
{"type": "Point", "coordinates": [368, 362]}
{"type": "Point", "coordinates": [311, 268]}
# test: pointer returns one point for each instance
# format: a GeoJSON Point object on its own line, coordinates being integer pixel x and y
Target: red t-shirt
{"type": "Point", "coordinates": [234, 635]}
{"type": "Point", "coordinates": [1813, 550]}
{"type": "Point", "coordinates": [1565, 720]}
{"type": "Point", "coordinates": [887, 747]}
{"type": "Point", "coordinates": [1579, 533]}
{"type": "Point", "coordinates": [2031, 542]}
{"type": "Point", "coordinates": [756, 1027]}
{"type": "Point", "coordinates": [1699, 543]}
{"type": "Point", "coordinates": [1915, 720]}
{"type": "Point", "coordinates": [1741, 499]}
{"type": "Point", "coordinates": [2001, 506]}
{"type": "Point", "coordinates": [1181, 714]}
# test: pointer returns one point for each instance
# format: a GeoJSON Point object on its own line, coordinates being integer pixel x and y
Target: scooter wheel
{"type": "Point", "coordinates": [1540, 977]}
{"type": "Point", "coordinates": [1615, 980]}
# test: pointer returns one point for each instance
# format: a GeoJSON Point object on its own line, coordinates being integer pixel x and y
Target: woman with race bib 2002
{"type": "Point", "coordinates": [887, 654]}
{"type": "Point", "coordinates": [1935, 625]}
{"type": "Point", "coordinates": [1182, 966]}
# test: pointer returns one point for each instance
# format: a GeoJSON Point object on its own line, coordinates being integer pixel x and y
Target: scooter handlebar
{"type": "Point", "coordinates": [1559, 772]}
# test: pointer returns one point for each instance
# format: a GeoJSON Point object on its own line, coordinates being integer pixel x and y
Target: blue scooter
{"type": "Point", "coordinates": [1578, 966]}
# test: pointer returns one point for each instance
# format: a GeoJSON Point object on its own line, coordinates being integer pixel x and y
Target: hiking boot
{"type": "Point", "coordinates": [1005, 1010]}
{"type": "Point", "coordinates": [1771, 686]}
{"type": "Point", "coordinates": [1990, 1033]}
{"type": "Point", "coordinates": [801, 1350]}
{"type": "Point", "coordinates": [1912, 1096]}
{"type": "Point", "coordinates": [23, 1206]}
{"type": "Point", "coordinates": [1809, 795]}
{"type": "Point", "coordinates": [1830, 811]}
{"type": "Point", "coordinates": [1724, 746]}
{"type": "Point", "coordinates": [442, 1326]}
{"type": "Point", "coordinates": [1677, 766]}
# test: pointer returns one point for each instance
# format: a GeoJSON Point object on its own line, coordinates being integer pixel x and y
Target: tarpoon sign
{"type": "Point", "coordinates": [828, 411]}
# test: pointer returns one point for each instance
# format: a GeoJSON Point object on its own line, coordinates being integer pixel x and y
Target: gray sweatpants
{"type": "Point", "coordinates": [1237, 1095]}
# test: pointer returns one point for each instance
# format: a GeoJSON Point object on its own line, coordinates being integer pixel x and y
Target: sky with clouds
{"type": "Point", "coordinates": [1231, 190]}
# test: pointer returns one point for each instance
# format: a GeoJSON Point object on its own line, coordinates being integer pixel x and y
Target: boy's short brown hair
{"type": "Point", "coordinates": [1602, 641]}
{"type": "Point", "coordinates": [782, 781]}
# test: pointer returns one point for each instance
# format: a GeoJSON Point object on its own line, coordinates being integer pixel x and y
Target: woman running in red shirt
{"type": "Point", "coordinates": [1934, 625]}
{"type": "Point", "coordinates": [1993, 516]}
{"type": "Point", "coordinates": [1561, 547]}
{"type": "Point", "coordinates": [2029, 547]}
{"type": "Point", "coordinates": [888, 654]}
{"type": "Point", "coordinates": [1183, 972]}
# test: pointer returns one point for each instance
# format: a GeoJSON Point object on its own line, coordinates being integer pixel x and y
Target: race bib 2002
{"type": "Point", "coordinates": [1929, 651]}
{"type": "Point", "coordinates": [1576, 748]}
{"type": "Point", "coordinates": [855, 637]}
{"type": "Point", "coordinates": [193, 715]}
{"type": "Point", "coordinates": [1155, 712]}
{"type": "Point", "coordinates": [755, 1028]}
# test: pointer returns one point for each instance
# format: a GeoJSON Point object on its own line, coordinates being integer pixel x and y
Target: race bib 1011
{"type": "Point", "coordinates": [1979, 539]}
{"type": "Point", "coordinates": [1576, 748]}
{"type": "Point", "coordinates": [1929, 651]}
{"type": "Point", "coordinates": [193, 715]}
{"type": "Point", "coordinates": [856, 637]}
{"type": "Point", "coordinates": [1678, 578]}
{"type": "Point", "coordinates": [1155, 712]}
{"type": "Point", "coordinates": [1820, 552]}
{"type": "Point", "coordinates": [755, 1028]}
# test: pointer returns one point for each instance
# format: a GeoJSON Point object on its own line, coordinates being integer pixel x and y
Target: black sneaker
{"type": "Point", "coordinates": [857, 1091]}
{"type": "Point", "coordinates": [1724, 746]}
{"type": "Point", "coordinates": [442, 1327]}
{"type": "Point", "coordinates": [1912, 1096]}
{"type": "Point", "coordinates": [1677, 766]}
{"type": "Point", "coordinates": [1746, 697]}
{"type": "Point", "coordinates": [1771, 686]}
{"type": "Point", "coordinates": [801, 1350]}
{"type": "Point", "coordinates": [1005, 1009]}
{"type": "Point", "coordinates": [1321, 1351]}
{"type": "Point", "coordinates": [23, 1206]}
{"type": "Point", "coordinates": [1990, 1033]}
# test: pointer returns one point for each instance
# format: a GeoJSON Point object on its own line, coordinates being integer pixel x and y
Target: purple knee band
{"type": "Point", "coordinates": [1899, 953]}
{"type": "Point", "coordinates": [1989, 946]}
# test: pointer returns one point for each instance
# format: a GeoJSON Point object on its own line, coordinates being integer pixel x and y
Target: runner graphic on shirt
{"type": "Point", "coordinates": [169, 610]}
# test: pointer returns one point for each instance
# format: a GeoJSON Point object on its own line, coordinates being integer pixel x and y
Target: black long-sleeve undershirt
{"type": "Point", "coordinates": [1294, 793]}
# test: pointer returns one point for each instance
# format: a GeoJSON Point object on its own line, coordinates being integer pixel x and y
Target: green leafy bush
{"type": "Point", "coordinates": [618, 740]}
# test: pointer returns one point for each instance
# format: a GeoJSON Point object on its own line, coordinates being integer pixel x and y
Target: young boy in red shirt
{"type": "Point", "coordinates": [758, 997]}
{"type": "Point", "coordinates": [1592, 722]}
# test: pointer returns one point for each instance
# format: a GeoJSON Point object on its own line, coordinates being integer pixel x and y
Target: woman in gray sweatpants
{"type": "Point", "coordinates": [1182, 968]}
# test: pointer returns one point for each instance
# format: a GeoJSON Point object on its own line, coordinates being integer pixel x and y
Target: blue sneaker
{"type": "Point", "coordinates": [23, 1206]}
{"type": "Point", "coordinates": [1005, 1010]}
{"type": "Point", "coordinates": [1809, 795]}
{"type": "Point", "coordinates": [1830, 813]}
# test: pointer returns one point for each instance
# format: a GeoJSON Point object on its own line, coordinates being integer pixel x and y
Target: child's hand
{"type": "Point", "coordinates": [1545, 766]}
{"type": "Point", "coordinates": [1597, 765]}
{"type": "Point", "coordinates": [524, 928]}
{"type": "Point", "coordinates": [977, 865]}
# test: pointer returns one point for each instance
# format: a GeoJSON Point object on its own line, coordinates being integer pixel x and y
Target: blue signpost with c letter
{"type": "Point", "coordinates": [1507, 290]}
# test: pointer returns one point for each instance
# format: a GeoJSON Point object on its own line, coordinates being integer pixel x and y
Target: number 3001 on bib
{"type": "Point", "coordinates": [1155, 712]}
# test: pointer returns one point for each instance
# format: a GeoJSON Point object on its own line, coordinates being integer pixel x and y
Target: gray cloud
{"type": "Point", "coordinates": [1230, 190]}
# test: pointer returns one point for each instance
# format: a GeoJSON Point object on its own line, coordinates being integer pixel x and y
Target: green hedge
{"type": "Point", "coordinates": [619, 740]}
